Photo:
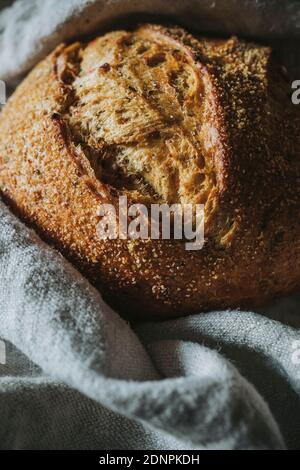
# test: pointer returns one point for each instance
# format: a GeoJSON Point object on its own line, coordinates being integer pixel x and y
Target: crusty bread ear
{"type": "Point", "coordinates": [161, 117]}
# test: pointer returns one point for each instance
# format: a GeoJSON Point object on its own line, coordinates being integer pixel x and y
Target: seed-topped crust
{"type": "Point", "coordinates": [161, 116]}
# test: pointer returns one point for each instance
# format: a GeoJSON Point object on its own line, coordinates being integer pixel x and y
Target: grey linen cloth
{"type": "Point", "coordinates": [73, 374]}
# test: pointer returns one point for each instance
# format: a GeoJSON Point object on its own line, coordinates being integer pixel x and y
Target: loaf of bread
{"type": "Point", "coordinates": [161, 117]}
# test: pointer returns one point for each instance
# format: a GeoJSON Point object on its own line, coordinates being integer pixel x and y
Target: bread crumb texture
{"type": "Point", "coordinates": [161, 116]}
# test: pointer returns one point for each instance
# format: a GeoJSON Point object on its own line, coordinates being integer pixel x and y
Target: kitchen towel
{"type": "Point", "coordinates": [73, 374]}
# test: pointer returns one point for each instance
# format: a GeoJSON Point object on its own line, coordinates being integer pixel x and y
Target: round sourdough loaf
{"type": "Point", "coordinates": [160, 116]}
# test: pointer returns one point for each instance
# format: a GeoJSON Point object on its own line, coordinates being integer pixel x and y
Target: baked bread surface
{"type": "Point", "coordinates": [161, 117]}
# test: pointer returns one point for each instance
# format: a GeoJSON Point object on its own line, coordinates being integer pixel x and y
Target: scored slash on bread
{"type": "Point", "coordinates": [161, 116]}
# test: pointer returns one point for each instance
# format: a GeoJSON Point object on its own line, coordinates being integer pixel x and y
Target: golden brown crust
{"type": "Point", "coordinates": [159, 115]}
